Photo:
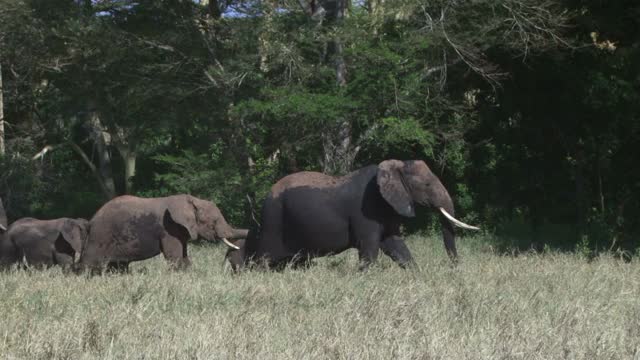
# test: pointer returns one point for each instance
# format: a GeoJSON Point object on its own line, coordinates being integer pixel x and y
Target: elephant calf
{"type": "Point", "coordinates": [130, 228]}
{"type": "Point", "coordinates": [43, 242]}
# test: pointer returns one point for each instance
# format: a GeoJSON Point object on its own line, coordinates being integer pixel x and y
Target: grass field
{"type": "Point", "coordinates": [552, 306]}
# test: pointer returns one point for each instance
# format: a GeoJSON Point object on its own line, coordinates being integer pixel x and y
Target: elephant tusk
{"type": "Point", "coordinates": [457, 222]}
{"type": "Point", "coordinates": [3, 228]}
{"type": "Point", "coordinates": [229, 244]}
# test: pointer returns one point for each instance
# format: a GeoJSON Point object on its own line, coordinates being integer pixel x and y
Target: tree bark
{"type": "Point", "coordinates": [126, 146]}
{"type": "Point", "coordinates": [213, 7]}
{"type": "Point", "coordinates": [129, 158]}
{"type": "Point", "coordinates": [102, 140]}
{"type": "Point", "coordinates": [581, 191]}
{"type": "Point", "coordinates": [376, 8]}
{"type": "Point", "coordinates": [269, 8]}
{"type": "Point", "coordinates": [339, 153]}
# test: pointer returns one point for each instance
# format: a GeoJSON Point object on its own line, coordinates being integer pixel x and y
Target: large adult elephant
{"type": "Point", "coordinates": [130, 228]}
{"type": "Point", "coordinates": [44, 242]}
{"type": "Point", "coordinates": [309, 214]}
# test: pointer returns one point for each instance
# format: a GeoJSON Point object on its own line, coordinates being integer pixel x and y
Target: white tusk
{"type": "Point", "coordinates": [457, 222]}
{"type": "Point", "coordinates": [229, 244]}
{"type": "Point", "coordinates": [3, 228]}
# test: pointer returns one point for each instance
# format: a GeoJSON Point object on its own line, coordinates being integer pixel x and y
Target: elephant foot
{"type": "Point", "coordinates": [181, 264]}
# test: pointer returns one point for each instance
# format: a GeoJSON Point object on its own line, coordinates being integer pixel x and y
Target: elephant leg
{"type": "Point", "coordinates": [38, 258]}
{"type": "Point", "coordinates": [175, 251]}
{"type": "Point", "coordinates": [62, 259]}
{"type": "Point", "coordinates": [9, 254]}
{"type": "Point", "coordinates": [368, 251]}
{"type": "Point", "coordinates": [395, 248]}
{"type": "Point", "coordinates": [367, 236]}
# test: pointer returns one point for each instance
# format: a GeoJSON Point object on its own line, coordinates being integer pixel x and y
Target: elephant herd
{"type": "Point", "coordinates": [305, 215]}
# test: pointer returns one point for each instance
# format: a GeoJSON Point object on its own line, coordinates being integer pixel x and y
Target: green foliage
{"type": "Point", "coordinates": [526, 109]}
{"type": "Point", "coordinates": [20, 187]}
{"type": "Point", "coordinates": [402, 137]}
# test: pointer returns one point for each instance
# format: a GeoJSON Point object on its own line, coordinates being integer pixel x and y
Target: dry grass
{"type": "Point", "coordinates": [551, 306]}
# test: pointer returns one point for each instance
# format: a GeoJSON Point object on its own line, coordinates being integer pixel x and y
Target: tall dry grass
{"type": "Point", "coordinates": [553, 306]}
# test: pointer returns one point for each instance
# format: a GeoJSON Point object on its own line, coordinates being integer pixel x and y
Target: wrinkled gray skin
{"type": "Point", "coordinates": [309, 214]}
{"type": "Point", "coordinates": [130, 228]}
{"type": "Point", "coordinates": [43, 243]}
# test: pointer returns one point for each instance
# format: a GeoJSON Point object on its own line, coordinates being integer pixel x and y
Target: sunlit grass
{"type": "Point", "coordinates": [551, 306]}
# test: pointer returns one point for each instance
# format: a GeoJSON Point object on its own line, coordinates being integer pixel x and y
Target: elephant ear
{"type": "Point", "coordinates": [71, 237]}
{"type": "Point", "coordinates": [181, 211]}
{"type": "Point", "coordinates": [391, 184]}
{"type": "Point", "coordinates": [63, 246]}
{"type": "Point", "coordinates": [3, 218]}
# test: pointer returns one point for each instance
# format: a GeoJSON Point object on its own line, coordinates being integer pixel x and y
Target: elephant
{"type": "Point", "coordinates": [310, 214]}
{"type": "Point", "coordinates": [44, 243]}
{"type": "Point", "coordinates": [129, 228]}
{"type": "Point", "coordinates": [3, 231]}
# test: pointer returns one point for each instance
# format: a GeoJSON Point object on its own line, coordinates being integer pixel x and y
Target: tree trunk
{"type": "Point", "coordinates": [339, 153]}
{"type": "Point", "coordinates": [129, 158]}
{"type": "Point", "coordinates": [102, 140]}
{"type": "Point", "coordinates": [269, 8]}
{"type": "Point", "coordinates": [2, 146]}
{"type": "Point", "coordinates": [600, 166]}
{"type": "Point", "coordinates": [108, 192]}
{"type": "Point", "coordinates": [213, 7]}
{"type": "Point", "coordinates": [122, 140]}
{"type": "Point", "coordinates": [581, 202]}
{"type": "Point", "coordinates": [376, 12]}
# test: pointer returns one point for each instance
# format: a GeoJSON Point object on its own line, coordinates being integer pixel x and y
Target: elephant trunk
{"type": "Point", "coordinates": [225, 232]}
{"type": "Point", "coordinates": [235, 257]}
{"type": "Point", "coordinates": [239, 234]}
{"type": "Point", "coordinates": [448, 220]}
{"type": "Point", "coordinates": [448, 234]}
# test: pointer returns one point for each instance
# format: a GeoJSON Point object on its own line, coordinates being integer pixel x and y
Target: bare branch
{"type": "Point", "coordinates": [475, 60]}
{"type": "Point", "coordinates": [94, 170]}
{"type": "Point", "coordinates": [44, 151]}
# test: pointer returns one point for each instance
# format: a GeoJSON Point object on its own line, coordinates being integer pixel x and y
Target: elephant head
{"type": "Point", "coordinates": [235, 256]}
{"type": "Point", "coordinates": [202, 218]}
{"type": "Point", "coordinates": [72, 237]}
{"type": "Point", "coordinates": [406, 183]}
{"type": "Point", "coordinates": [3, 218]}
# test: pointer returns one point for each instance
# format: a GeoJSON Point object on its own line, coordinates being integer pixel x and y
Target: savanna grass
{"type": "Point", "coordinates": [549, 306]}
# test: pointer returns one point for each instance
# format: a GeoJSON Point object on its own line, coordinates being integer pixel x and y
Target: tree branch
{"type": "Point", "coordinates": [94, 170]}
{"type": "Point", "coordinates": [44, 151]}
